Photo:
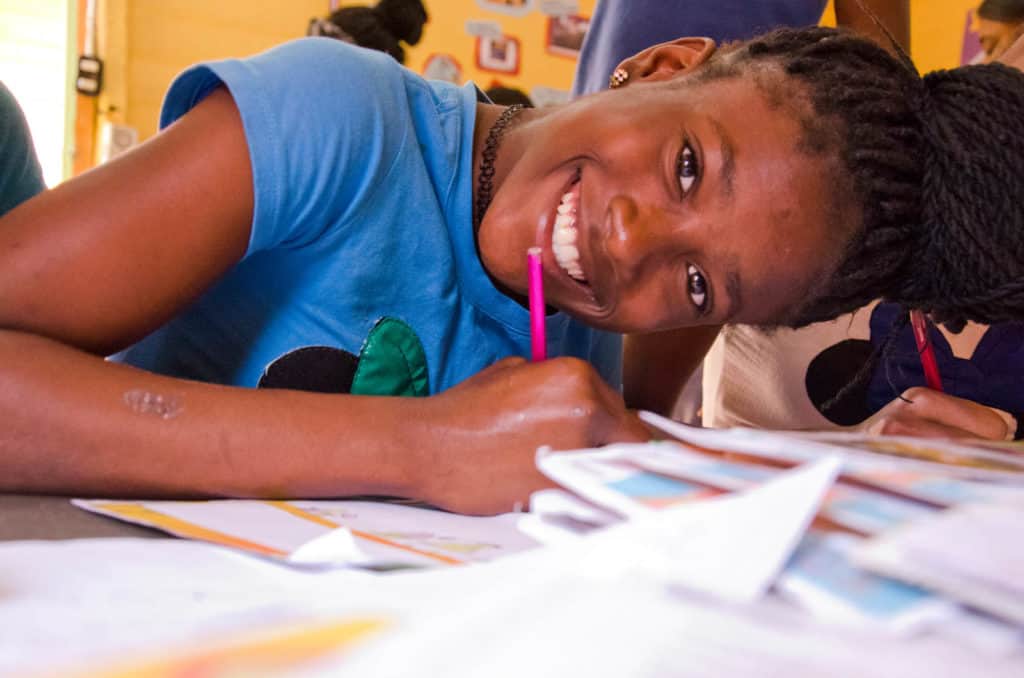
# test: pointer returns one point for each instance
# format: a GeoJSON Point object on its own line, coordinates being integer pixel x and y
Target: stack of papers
{"type": "Point", "coordinates": [973, 554]}
{"type": "Point", "coordinates": [864, 532]}
{"type": "Point", "coordinates": [815, 542]}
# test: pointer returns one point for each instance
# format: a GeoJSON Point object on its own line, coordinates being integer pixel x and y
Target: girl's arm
{"type": "Point", "coordinates": [1014, 56]}
{"type": "Point", "coordinates": [102, 260]}
{"type": "Point", "coordinates": [656, 366]}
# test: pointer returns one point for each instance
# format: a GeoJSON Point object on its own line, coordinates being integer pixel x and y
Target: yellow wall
{"type": "Point", "coordinates": [146, 42]}
{"type": "Point", "coordinates": [149, 41]}
{"type": "Point", "coordinates": [936, 31]}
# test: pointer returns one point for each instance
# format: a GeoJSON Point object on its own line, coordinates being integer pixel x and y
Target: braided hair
{"type": "Point", "coordinates": [382, 27]}
{"type": "Point", "coordinates": [934, 166]}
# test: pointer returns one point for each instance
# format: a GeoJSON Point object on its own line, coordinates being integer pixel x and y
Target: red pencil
{"type": "Point", "coordinates": [538, 341]}
{"type": "Point", "coordinates": [924, 349]}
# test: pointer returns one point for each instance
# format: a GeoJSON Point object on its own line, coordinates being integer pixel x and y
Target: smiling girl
{"type": "Point", "coordinates": [305, 222]}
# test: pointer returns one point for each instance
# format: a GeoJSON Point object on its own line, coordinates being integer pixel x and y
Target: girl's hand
{"type": "Point", "coordinates": [482, 435]}
{"type": "Point", "coordinates": [931, 414]}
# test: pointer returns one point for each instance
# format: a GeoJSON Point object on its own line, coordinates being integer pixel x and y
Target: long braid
{"type": "Point", "coordinates": [972, 245]}
{"type": "Point", "coordinates": [935, 165]}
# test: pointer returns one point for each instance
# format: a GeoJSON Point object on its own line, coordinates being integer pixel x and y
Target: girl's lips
{"type": "Point", "coordinates": [562, 240]}
{"type": "Point", "coordinates": [564, 235]}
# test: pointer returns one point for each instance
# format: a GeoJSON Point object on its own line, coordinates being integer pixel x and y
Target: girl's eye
{"type": "Point", "coordinates": [697, 288]}
{"type": "Point", "coordinates": [687, 167]}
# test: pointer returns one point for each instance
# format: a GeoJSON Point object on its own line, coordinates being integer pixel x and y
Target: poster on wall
{"type": "Point", "coordinates": [566, 33]}
{"type": "Point", "coordinates": [513, 7]}
{"type": "Point", "coordinates": [559, 7]}
{"type": "Point", "coordinates": [499, 55]}
{"type": "Point", "coordinates": [478, 28]}
{"type": "Point", "coordinates": [443, 67]}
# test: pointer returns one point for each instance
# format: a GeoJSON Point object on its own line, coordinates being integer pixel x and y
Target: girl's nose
{"type": "Point", "coordinates": [635, 233]}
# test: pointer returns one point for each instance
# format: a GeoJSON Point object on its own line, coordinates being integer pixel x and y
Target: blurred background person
{"type": "Point", "coordinates": [21, 177]}
{"type": "Point", "coordinates": [999, 24]}
{"type": "Point", "coordinates": [383, 27]}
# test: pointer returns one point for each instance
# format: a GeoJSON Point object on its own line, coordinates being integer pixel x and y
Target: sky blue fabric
{"type": "Point", "coordinates": [21, 177]}
{"type": "Point", "coordinates": [362, 174]}
{"type": "Point", "coordinates": [621, 28]}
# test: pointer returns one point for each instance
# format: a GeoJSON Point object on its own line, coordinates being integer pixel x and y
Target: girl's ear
{"type": "Point", "coordinates": [667, 59]}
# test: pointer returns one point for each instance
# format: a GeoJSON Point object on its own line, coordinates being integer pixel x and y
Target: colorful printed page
{"type": "Point", "coordinates": [609, 478]}
{"type": "Point", "coordinates": [862, 510]}
{"type": "Point", "coordinates": [730, 546]}
{"type": "Point", "coordinates": [377, 535]}
{"type": "Point", "coordinates": [632, 479]}
{"type": "Point", "coordinates": [986, 463]}
{"type": "Point", "coordinates": [867, 512]}
{"type": "Point", "coordinates": [972, 553]}
{"type": "Point", "coordinates": [822, 579]}
{"type": "Point", "coordinates": [861, 454]}
{"type": "Point", "coordinates": [930, 488]}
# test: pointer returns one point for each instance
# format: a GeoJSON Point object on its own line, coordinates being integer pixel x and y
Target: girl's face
{"type": "Point", "coordinates": [996, 36]}
{"type": "Point", "coordinates": [664, 204]}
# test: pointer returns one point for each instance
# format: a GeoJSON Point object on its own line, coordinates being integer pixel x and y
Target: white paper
{"type": "Point", "coordinates": [731, 547]}
{"type": "Point", "coordinates": [557, 517]}
{"type": "Point", "coordinates": [95, 604]}
{"type": "Point", "coordinates": [306, 532]}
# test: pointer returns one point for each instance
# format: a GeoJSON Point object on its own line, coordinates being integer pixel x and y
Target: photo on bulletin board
{"type": "Point", "coordinates": [443, 67]}
{"type": "Point", "coordinates": [566, 33]}
{"type": "Point", "coordinates": [513, 7]}
{"type": "Point", "coordinates": [500, 55]}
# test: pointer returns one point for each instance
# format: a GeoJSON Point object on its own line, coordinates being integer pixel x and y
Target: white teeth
{"type": "Point", "coordinates": [563, 237]}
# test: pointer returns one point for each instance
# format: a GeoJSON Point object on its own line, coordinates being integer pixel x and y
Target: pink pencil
{"type": "Point", "coordinates": [538, 339]}
{"type": "Point", "coordinates": [924, 348]}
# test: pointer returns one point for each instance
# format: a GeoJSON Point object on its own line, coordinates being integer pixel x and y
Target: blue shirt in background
{"type": "Point", "coordinates": [621, 28]}
{"type": "Point", "coordinates": [21, 177]}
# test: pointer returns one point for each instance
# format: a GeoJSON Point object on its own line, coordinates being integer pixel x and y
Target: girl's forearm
{"type": "Point", "coordinates": [73, 423]}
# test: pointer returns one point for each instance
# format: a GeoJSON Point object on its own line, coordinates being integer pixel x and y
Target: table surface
{"type": "Point", "coordinates": [29, 516]}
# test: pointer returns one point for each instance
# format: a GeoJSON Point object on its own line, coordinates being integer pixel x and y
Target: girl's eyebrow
{"type": "Point", "coordinates": [727, 172]}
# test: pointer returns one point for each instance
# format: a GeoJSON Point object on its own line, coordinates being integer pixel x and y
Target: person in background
{"type": "Point", "coordinates": [999, 24]}
{"type": "Point", "coordinates": [811, 378]}
{"type": "Point", "coordinates": [21, 177]}
{"type": "Point", "coordinates": [383, 27]}
{"type": "Point", "coordinates": [657, 366]}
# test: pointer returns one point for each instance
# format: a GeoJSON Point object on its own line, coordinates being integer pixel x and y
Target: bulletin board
{"type": "Point", "coordinates": [531, 45]}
